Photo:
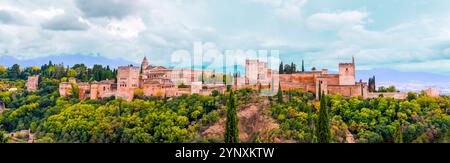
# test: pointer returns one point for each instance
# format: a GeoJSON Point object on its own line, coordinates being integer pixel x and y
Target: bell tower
{"type": "Point", "coordinates": [144, 64]}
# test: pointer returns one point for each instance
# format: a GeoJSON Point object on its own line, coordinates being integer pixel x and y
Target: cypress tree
{"type": "Point", "coordinates": [323, 124]}
{"type": "Point", "coordinates": [259, 88]}
{"type": "Point", "coordinates": [303, 66]}
{"type": "Point", "coordinates": [224, 79]}
{"type": "Point", "coordinates": [292, 70]}
{"type": "Point", "coordinates": [280, 69]}
{"type": "Point", "coordinates": [310, 124]}
{"type": "Point", "coordinates": [231, 126]}
{"type": "Point", "coordinates": [398, 136]}
{"type": "Point", "coordinates": [203, 77]}
{"type": "Point", "coordinates": [320, 91]}
{"type": "Point", "coordinates": [280, 94]}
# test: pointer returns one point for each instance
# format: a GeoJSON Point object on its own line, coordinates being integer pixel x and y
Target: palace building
{"type": "Point", "coordinates": [165, 82]}
{"type": "Point", "coordinates": [315, 81]}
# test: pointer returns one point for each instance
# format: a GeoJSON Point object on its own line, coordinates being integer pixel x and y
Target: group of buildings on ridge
{"type": "Point", "coordinates": [162, 81]}
{"type": "Point", "coordinates": [152, 80]}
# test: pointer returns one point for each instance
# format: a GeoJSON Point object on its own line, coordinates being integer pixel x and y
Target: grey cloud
{"type": "Point", "coordinates": [106, 8]}
{"type": "Point", "coordinates": [65, 23]}
{"type": "Point", "coordinates": [10, 17]}
{"type": "Point", "coordinates": [5, 17]}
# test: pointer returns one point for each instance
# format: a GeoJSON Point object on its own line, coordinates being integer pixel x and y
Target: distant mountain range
{"type": "Point", "coordinates": [407, 81]}
{"type": "Point", "coordinates": [88, 60]}
{"type": "Point", "coordinates": [390, 75]}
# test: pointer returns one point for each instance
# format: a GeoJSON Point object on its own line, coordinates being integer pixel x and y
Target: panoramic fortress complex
{"type": "Point", "coordinates": [148, 80]}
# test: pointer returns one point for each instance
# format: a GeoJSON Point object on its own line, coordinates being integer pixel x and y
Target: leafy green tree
{"type": "Point", "coordinates": [323, 124]}
{"type": "Point", "coordinates": [411, 96]}
{"type": "Point", "coordinates": [3, 138]}
{"type": "Point", "coordinates": [388, 89]}
{"type": "Point", "coordinates": [287, 69]}
{"type": "Point", "coordinates": [97, 72]}
{"type": "Point", "coordinates": [82, 73]}
{"type": "Point", "coordinates": [58, 71]}
{"type": "Point", "coordinates": [108, 73]}
{"type": "Point", "coordinates": [231, 126]}
{"type": "Point", "coordinates": [3, 72]}
{"type": "Point", "coordinates": [74, 90]}
{"type": "Point", "coordinates": [138, 93]}
{"type": "Point", "coordinates": [71, 73]}
{"type": "Point", "coordinates": [215, 93]}
{"type": "Point", "coordinates": [14, 72]}
{"type": "Point", "coordinates": [2, 69]}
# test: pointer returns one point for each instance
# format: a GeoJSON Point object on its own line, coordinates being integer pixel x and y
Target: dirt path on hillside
{"type": "Point", "coordinates": [252, 120]}
{"type": "Point", "coordinates": [349, 137]}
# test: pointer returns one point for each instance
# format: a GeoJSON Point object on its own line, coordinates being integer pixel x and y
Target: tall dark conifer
{"type": "Point", "coordinates": [323, 125]}
{"type": "Point", "coordinates": [303, 66]}
{"type": "Point", "coordinates": [231, 126]}
{"type": "Point", "coordinates": [280, 69]}
{"type": "Point", "coordinates": [310, 123]}
{"type": "Point", "coordinates": [279, 94]}
{"type": "Point", "coordinates": [398, 135]}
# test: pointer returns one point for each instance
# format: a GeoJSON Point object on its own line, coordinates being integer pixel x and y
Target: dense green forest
{"type": "Point", "coordinates": [52, 118]}
{"type": "Point", "coordinates": [420, 119]}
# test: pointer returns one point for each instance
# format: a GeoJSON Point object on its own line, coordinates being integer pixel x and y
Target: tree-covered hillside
{"type": "Point", "coordinates": [52, 118]}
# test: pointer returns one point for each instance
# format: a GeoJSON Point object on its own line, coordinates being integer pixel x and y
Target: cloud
{"type": "Point", "coordinates": [11, 17]}
{"type": "Point", "coordinates": [48, 13]}
{"type": "Point", "coordinates": [126, 28]}
{"type": "Point", "coordinates": [65, 23]}
{"type": "Point", "coordinates": [104, 8]}
{"type": "Point", "coordinates": [336, 20]}
{"type": "Point", "coordinates": [5, 17]}
{"type": "Point", "coordinates": [410, 45]}
{"type": "Point", "coordinates": [285, 8]}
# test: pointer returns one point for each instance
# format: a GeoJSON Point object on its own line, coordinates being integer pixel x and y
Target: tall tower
{"type": "Point", "coordinates": [127, 81]}
{"type": "Point", "coordinates": [251, 71]}
{"type": "Point", "coordinates": [32, 83]}
{"type": "Point", "coordinates": [144, 64]}
{"type": "Point", "coordinates": [347, 73]}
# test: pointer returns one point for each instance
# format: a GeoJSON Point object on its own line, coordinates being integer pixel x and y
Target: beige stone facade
{"type": "Point", "coordinates": [103, 89]}
{"type": "Point", "coordinates": [432, 92]}
{"type": "Point", "coordinates": [395, 95]}
{"type": "Point", "coordinates": [65, 88]}
{"type": "Point", "coordinates": [159, 87]}
{"type": "Point", "coordinates": [127, 82]}
{"type": "Point", "coordinates": [315, 81]}
{"type": "Point", "coordinates": [32, 83]}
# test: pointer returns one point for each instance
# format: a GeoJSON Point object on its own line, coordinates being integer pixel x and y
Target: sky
{"type": "Point", "coordinates": [406, 35]}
